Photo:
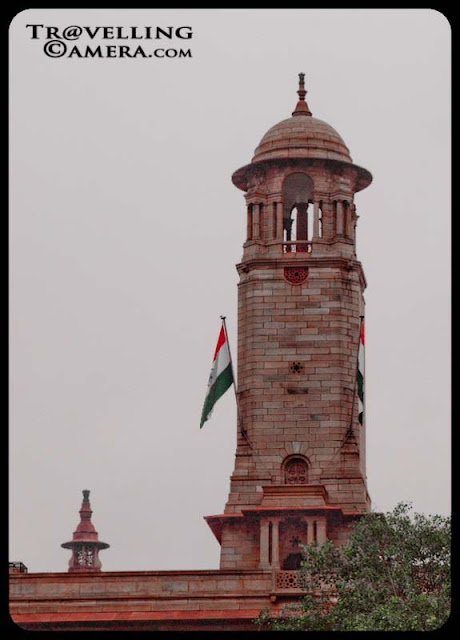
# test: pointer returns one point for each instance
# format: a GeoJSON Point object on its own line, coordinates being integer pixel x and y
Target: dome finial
{"type": "Point", "coordinates": [301, 107]}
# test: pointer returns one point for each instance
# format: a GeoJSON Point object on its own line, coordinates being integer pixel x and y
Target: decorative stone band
{"type": "Point", "coordinates": [245, 268]}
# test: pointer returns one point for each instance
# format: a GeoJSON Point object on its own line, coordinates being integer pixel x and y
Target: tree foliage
{"type": "Point", "coordinates": [392, 575]}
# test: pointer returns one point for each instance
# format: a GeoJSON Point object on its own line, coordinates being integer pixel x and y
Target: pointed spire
{"type": "Point", "coordinates": [85, 526]}
{"type": "Point", "coordinates": [85, 544]}
{"type": "Point", "coordinates": [301, 107]}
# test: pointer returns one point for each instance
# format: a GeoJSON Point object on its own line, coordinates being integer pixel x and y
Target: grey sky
{"type": "Point", "coordinates": [125, 229]}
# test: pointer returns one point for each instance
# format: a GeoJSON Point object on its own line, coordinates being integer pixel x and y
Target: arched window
{"type": "Point", "coordinates": [296, 471]}
{"type": "Point", "coordinates": [297, 219]}
{"type": "Point", "coordinates": [297, 189]}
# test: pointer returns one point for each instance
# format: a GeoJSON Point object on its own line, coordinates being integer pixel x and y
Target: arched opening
{"type": "Point", "coordinates": [296, 471]}
{"type": "Point", "coordinates": [297, 220]}
{"type": "Point", "coordinates": [299, 227]}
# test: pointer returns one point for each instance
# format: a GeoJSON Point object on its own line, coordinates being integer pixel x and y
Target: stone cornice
{"type": "Point", "coordinates": [308, 262]}
{"type": "Point", "coordinates": [245, 176]}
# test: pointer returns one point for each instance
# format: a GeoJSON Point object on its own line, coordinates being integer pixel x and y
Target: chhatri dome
{"type": "Point", "coordinates": [301, 137]}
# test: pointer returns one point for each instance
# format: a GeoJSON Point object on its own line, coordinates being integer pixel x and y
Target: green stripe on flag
{"type": "Point", "coordinates": [360, 383]}
{"type": "Point", "coordinates": [220, 386]}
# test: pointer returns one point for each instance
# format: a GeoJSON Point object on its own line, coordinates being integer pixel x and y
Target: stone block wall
{"type": "Point", "coordinates": [141, 600]}
{"type": "Point", "coordinates": [240, 544]}
{"type": "Point", "coordinates": [297, 358]}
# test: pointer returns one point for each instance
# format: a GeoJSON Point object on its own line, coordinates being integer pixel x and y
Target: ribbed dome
{"type": "Point", "coordinates": [299, 137]}
{"type": "Point", "coordinates": [302, 136]}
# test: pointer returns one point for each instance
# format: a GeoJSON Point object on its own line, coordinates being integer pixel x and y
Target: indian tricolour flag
{"type": "Point", "coordinates": [360, 374]}
{"type": "Point", "coordinates": [220, 378]}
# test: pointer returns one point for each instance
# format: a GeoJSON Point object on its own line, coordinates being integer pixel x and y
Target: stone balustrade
{"type": "Point", "coordinates": [296, 246]}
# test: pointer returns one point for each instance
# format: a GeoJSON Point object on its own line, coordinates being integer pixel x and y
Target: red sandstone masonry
{"type": "Point", "coordinates": [149, 596]}
{"type": "Point", "coordinates": [315, 325]}
{"type": "Point", "coordinates": [297, 350]}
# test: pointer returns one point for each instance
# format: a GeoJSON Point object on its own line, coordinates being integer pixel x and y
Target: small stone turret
{"type": "Point", "coordinates": [85, 545]}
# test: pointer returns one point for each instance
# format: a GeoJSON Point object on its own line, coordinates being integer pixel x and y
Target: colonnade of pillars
{"type": "Point", "coordinates": [344, 224]}
{"type": "Point", "coordinates": [270, 538]}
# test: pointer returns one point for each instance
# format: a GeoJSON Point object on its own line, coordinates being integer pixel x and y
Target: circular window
{"type": "Point", "coordinates": [295, 275]}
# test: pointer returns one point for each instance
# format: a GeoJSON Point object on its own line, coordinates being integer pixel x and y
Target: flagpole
{"type": "Point", "coordinates": [350, 430]}
{"type": "Point", "coordinates": [238, 410]}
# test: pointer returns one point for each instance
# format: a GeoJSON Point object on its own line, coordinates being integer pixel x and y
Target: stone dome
{"type": "Point", "coordinates": [302, 136]}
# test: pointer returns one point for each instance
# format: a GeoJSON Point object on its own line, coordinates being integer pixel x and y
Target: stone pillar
{"type": "Point", "coordinates": [315, 219]}
{"type": "Point", "coordinates": [262, 223]}
{"type": "Point", "coordinates": [275, 544]}
{"type": "Point", "coordinates": [347, 220]}
{"type": "Point", "coordinates": [279, 221]}
{"type": "Point", "coordinates": [339, 218]}
{"type": "Point", "coordinates": [271, 223]}
{"type": "Point", "coordinates": [310, 532]}
{"type": "Point", "coordinates": [328, 220]}
{"type": "Point", "coordinates": [255, 221]}
{"type": "Point", "coordinates": [249, 230]}
{"type": "Point", "coordinates": [264, 533]}
{"type": "Point", "coordinates": [302, 222]}
{"type": "Point", "coordinates": [321, 530]}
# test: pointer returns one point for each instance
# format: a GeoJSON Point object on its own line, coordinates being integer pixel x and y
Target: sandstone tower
{"type": "Point", "coordinates": [300, 474]}
{"type": "Point", "coordinates": [300, 468]}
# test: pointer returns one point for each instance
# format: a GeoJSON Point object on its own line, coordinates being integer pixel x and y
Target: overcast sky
{"type": "Point", "coordinates": [125, 230]}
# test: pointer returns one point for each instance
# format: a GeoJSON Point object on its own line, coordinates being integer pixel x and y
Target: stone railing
{"type": "Point", "coordinates": [289, 580]}
{"type": "Point", "coordinates": [296, 246]}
